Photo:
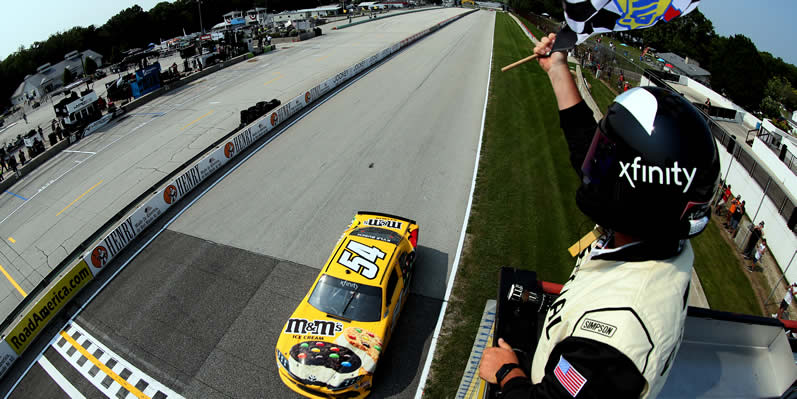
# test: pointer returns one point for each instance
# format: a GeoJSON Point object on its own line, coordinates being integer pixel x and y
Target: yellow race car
{"type": "Point", "coordinates": [330, 346]}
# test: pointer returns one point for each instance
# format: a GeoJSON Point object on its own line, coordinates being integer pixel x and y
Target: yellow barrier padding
{"type": "Point", "coordinates": [48, 305]}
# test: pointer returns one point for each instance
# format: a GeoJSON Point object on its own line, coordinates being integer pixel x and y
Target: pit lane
{"type": "Point", "coordinates": [201, 307]}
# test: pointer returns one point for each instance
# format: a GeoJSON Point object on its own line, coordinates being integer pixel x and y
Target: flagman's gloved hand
{"type": "Point", "coordinates": [495, 357]}
{"type": "Point", "coordinates": [543, 47]}
{"type": "Point", "coordinates": [564, 87]}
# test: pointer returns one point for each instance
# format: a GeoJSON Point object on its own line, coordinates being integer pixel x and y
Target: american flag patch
{"type": "Point", "coordinates": [567, 375]}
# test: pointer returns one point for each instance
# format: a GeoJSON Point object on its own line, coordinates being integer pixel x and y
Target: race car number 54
{"type": "Point", "coordinates": [360, 258]}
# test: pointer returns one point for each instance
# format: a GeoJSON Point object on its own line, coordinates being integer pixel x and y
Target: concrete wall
{"type": "Point", "coordinates": [780, 171]}
{"type": "Point", "coordinates": [788, 139]}
{"type": "Point", "coordinates": [782, 241]}
{"type": "Point", "coordinates": [747, 118]}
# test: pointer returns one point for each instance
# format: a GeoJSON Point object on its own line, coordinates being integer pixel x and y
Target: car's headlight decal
{"type": "Point", "coordinates": [283, 360]}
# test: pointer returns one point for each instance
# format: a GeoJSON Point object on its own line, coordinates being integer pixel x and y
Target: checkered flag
{"type": "Point", "coordinates": [589, 17]}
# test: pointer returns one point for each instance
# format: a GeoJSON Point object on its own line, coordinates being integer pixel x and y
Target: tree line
{"type": "Point", "coordinates": [755, 80]}
{"type": "Point", "coordinates": [130, 28]}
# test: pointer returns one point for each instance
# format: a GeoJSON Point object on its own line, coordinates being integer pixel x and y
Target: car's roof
{"type": "Point", "coordinates": [352, 247]}
{"type": "Point", "coordinates": [374, 237]}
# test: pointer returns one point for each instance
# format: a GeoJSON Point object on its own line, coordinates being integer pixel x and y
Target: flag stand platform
{"type": "Point", "coordinates": [471, 386]}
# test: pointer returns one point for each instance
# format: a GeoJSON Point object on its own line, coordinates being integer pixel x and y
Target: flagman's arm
{"type": "Point", "coordinates": [576, 368]}
{"type": "Point", "coordinates": [576, 119]}
{"type": "Point", "coordinates": [558, 72]}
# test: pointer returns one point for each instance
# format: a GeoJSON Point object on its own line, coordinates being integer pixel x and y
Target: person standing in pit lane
{"type": "Point", "coordinates": [648, 173]}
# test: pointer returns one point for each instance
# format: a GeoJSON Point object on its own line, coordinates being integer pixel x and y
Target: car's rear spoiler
{"type": "Point", "coordinates": [410, 221]}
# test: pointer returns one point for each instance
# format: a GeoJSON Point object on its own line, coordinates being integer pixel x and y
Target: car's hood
{"type": "Point", "coordinates": [321, 350]}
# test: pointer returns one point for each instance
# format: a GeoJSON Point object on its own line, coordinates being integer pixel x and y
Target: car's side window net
{"type": "Point", "coordinates": [391, 285]}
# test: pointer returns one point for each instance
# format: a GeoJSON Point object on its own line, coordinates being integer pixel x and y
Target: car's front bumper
{"type": "Point", "coordinates": [319, 392]}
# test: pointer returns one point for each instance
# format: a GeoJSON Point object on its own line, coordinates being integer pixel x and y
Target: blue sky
{"type": "Point", "coordinates": [27, 21]}
{"type": "Point", "coordinates": [769, 23]}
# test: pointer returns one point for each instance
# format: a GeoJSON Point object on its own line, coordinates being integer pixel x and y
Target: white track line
{"type": "Point", "coordinates": [59, 379]}
{"type": "Point", "coordinates": [436, 334]}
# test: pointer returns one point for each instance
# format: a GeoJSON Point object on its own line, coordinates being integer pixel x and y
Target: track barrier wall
{"type": "Point", "coordinates": [383, 17]}
{"type": "Point", "coordinates": [30, 317]}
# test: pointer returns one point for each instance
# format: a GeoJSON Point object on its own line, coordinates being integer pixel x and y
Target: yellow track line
{"type": "Point", "coordinates": [275, 79]}
{"type": "Point", "coordinates": [81, 196]}
{"type": "Point", "coordinates": [103, 367]}
{"type": "Point", "coordinates": [14, 283]}
{"type": "Point", "coordinates": [322, 58]}
{"type": "Point", "coordinates": [196, 120]}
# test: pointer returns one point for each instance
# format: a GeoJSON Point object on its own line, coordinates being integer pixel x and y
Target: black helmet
{"type": "Point", "coordinates": [652, 168]}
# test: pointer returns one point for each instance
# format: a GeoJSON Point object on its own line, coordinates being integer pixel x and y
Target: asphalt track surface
{"type": "Point", "coordinates": [51, 211]}
{"type": "Point", "coordinates": [200, 308]}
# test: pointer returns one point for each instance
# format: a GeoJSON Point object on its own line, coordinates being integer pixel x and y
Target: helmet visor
{"type": "Point", "coordinates": [600, 160]}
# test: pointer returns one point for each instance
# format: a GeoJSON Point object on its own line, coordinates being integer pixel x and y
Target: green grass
{"type": "Point", "coordinates": [724, 282]}
{"type": "Point", "coordinates": [602, 95]}
{"type": "Point", "coordinates": [633, 52]}
{"type": "Point", "coordinates": [524, 213]}
{"type": "Point", "coordinates": [630, 62]}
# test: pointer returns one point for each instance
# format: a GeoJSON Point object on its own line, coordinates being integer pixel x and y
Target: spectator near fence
{"type": "Point", "coordinates": [726, 193]}
{"type": "Point", "coordinates": [734, 204]}
{"type": "Point", "coordinates": [755, 235]}
{"type": "Point", "coordinates": [736, 217]}
{"type": "Point", "coordinates": [787, 300]}
{"type": "Point", "coordinates": [759, 253]}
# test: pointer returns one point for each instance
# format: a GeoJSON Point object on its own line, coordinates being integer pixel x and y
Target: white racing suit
{"type": "Point", "coordinates": [617, 325]}
{"type": "Point", "coordinates": [614, 330]}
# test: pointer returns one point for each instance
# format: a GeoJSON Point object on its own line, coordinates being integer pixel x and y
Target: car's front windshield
{"type": "Point", "coordinates": [347, 299]}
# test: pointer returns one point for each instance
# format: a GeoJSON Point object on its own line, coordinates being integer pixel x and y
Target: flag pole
{"type": "Point", "coordinates": [565, 40]}
{"type": "Point", "coordinates": [517, 63]}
